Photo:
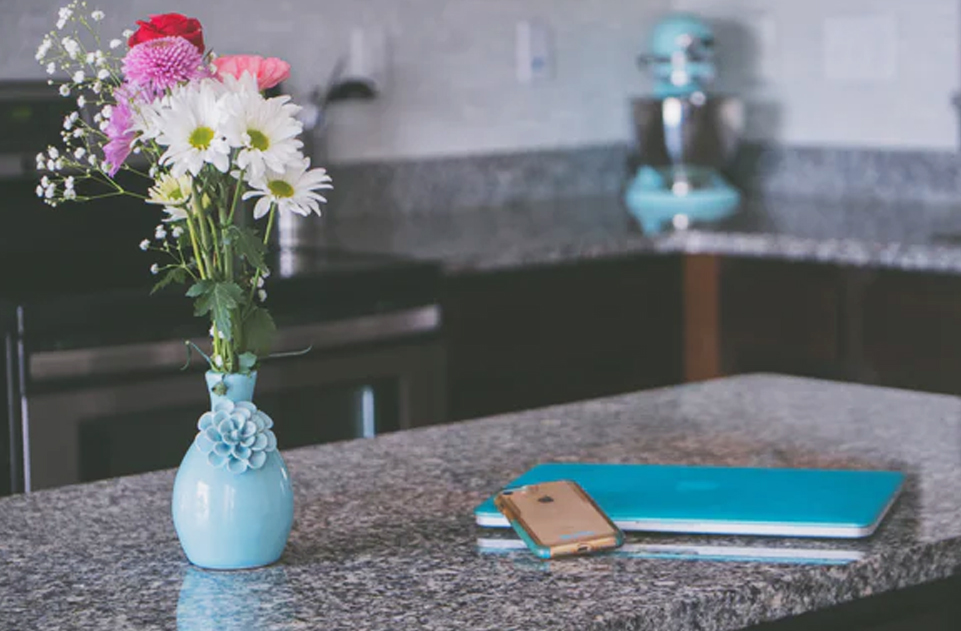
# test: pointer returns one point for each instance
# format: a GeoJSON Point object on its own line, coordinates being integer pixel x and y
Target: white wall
{"type": "Point", "coordinates": [453, 88]}
{"type": "Point", "coordinates": [904, 105]}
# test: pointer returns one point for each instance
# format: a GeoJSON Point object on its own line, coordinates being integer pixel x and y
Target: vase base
{"type": "Point", "coordinates": [231, 567]}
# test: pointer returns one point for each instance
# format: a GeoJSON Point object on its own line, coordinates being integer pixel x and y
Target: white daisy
{"type": "Point", "coordinates": [190, 127]}
{"type": "Point", "coordinates": [173, 193]}
{"type": "Point", "coordinates": [293, 190]}
{"type": "Point", "coordinates": [265, 130]}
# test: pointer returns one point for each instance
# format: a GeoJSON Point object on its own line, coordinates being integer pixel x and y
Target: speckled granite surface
{"type": "Point", "coordinates": [455, 183]}
{"type": "Point", "coordinates": [854, 231]}
{"type": "Point", "coordinates": [384, 537]}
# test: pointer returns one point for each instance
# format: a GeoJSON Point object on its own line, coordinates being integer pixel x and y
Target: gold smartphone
{"type": "Point", "coordinates": [558, 519]}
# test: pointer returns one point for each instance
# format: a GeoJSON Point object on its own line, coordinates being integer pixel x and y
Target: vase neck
{"type": "Point", "coordinates": [230, 386]}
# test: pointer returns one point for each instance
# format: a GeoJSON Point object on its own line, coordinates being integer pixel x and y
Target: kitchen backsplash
{"type": "Point", "coordinates": [452, 88]}
{"type": "Point", "coordinates": [860, 73]}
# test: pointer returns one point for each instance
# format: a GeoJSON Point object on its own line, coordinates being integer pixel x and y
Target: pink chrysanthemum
{"type": "Point", "coordinates": [163, 63]}
{"type": "Point", "coordinates": [119, 130]}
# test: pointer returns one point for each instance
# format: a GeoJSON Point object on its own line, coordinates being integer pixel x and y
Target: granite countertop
{"type": "Point", "coordinates": [384, 537]}
{"type": "Point", "coordinates": [857, 232]}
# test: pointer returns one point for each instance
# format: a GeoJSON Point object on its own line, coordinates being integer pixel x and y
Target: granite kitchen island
{"type": "Point", "coordinates": [384, 537]}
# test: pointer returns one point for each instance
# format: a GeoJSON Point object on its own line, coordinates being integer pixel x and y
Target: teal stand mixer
{"type": "Point", "coordinates": [684, 134]}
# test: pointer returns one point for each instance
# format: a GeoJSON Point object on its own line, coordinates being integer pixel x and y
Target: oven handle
{"type": "Point", "coordinates": [83, 362]}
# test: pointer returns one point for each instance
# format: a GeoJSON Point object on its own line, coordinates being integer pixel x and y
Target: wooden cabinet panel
{"type": "Point", "coordinates": [911, 325]}
{"type": "Point", "coordinates": [536, 337]}
{"type": "Point", "coordinates": [782, 317]}
{"type": "Point", "coordinates": [933, 606]}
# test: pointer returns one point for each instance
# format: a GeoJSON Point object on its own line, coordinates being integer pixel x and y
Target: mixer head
{"type": "Point", "coordinates": [680, 55]}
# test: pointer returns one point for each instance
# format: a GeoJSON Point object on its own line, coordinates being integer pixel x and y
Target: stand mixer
{"type": "Point", "coordinates": [684, 135]}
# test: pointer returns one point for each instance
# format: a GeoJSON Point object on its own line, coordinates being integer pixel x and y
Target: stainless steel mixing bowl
{"type": "Point", "coordinates": [695, 131]}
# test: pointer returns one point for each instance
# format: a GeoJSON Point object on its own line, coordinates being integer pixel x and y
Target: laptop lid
{"type": "Point", "coordinates": [725, 500]}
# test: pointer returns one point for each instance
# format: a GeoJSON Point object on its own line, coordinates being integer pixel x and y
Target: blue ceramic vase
{"type": "Point", "coordinates": [233, 505]}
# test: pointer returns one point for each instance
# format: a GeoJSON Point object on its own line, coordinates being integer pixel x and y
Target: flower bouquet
{"type": "Point", "coordinates": [204, 138]}
{"type": "Point", "coordinates": [199, 131]}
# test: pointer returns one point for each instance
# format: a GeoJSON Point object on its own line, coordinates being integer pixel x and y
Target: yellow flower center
{"type": "Point", "coordinates": [200, 138]}
{"type": "Point", "coordinates": [258, 140]}
{"type": "Point", "coordinates": [280, 188]}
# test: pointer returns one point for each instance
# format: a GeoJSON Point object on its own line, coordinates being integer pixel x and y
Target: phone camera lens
{"type": "Point", "coordinates": [546, 499]}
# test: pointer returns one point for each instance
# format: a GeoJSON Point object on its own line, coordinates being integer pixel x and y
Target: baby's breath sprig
{"type": "Point", "coordinates": [83, 70]}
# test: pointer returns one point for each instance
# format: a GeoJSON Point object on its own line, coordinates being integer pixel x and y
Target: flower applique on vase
{"type": "Point", "coordinates": [233, 502]}
{"type": "Point", "coordinates": [236, 436]}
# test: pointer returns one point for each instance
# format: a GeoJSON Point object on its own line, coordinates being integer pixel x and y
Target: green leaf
{"type": "Point", "coordinates": [199, 288]}
{"type": "Point", "coordinates": [177, 275]}
{"type": "Point", "coordinates": [258, 330]}
{"type": "Point", "coordinates": [220, 299]}
{"type": "Point", "coordinates": [247, 361]}
{"type": "Point", "coordinates": [247, 244]}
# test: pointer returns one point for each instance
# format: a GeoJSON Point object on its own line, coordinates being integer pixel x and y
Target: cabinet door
{"type": "Point", "coordinates": [530, 338]}
{"type": "Point", "coordinates": [782, 317]}
{"type": "Point", "coordinates": [928, 607]}
{"type": "Point", "coordinates": [912, 331]}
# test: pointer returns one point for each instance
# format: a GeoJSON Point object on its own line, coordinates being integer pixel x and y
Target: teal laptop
{"type": "Point", "coordinates": [725, 500]}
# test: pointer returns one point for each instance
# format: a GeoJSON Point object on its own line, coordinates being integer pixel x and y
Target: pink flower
{"type": "Point", "coordinates": [119, 127]}
{"type": "Point", "coordinates": [119, 130]}
{"type": "Point", "coordinates": [163, 63]}
{"type": "Point", "coordinates": [269, 72]}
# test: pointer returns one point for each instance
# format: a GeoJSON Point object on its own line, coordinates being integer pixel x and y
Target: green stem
{"type": "Point", "coordinates": [233, 201]}
{"type": "Point", "coordinates": [205, 239]}
{"type": "Point", "coordinates": [270, 223]}
{"type": "Point", "coordinates": [257, 272]}
{"type": "Point", "coordinates": [198, 254]}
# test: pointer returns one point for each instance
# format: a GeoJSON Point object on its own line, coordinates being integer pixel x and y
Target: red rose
{"type": "Point", "coordinates": [169, 25]}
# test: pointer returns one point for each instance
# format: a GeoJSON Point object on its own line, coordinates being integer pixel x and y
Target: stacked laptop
{"type": "Point", "coordinates": [768, 514]}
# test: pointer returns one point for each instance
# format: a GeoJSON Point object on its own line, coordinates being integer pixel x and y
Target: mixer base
{"type": "Point", "coordinates": [656, 207]}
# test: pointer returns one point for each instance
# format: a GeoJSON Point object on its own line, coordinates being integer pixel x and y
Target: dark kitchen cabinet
{"type": "Point", "coordinates": [884, 327]}
{"type": "Point", "coordinates": [782, 317]}
{"type": "Point", "coordinates": [932, 607]}
{"type": "Point", "coordinates": [535, 337]}
{"type": "Point", "coordinates": [911, 327]}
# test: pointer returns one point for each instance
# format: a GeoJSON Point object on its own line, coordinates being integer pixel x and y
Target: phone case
{"type": "Point", "coordinates": [558, 519]}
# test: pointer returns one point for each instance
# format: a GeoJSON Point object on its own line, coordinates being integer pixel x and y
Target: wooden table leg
{"type": "Point", "coordinates": [702, 347]}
